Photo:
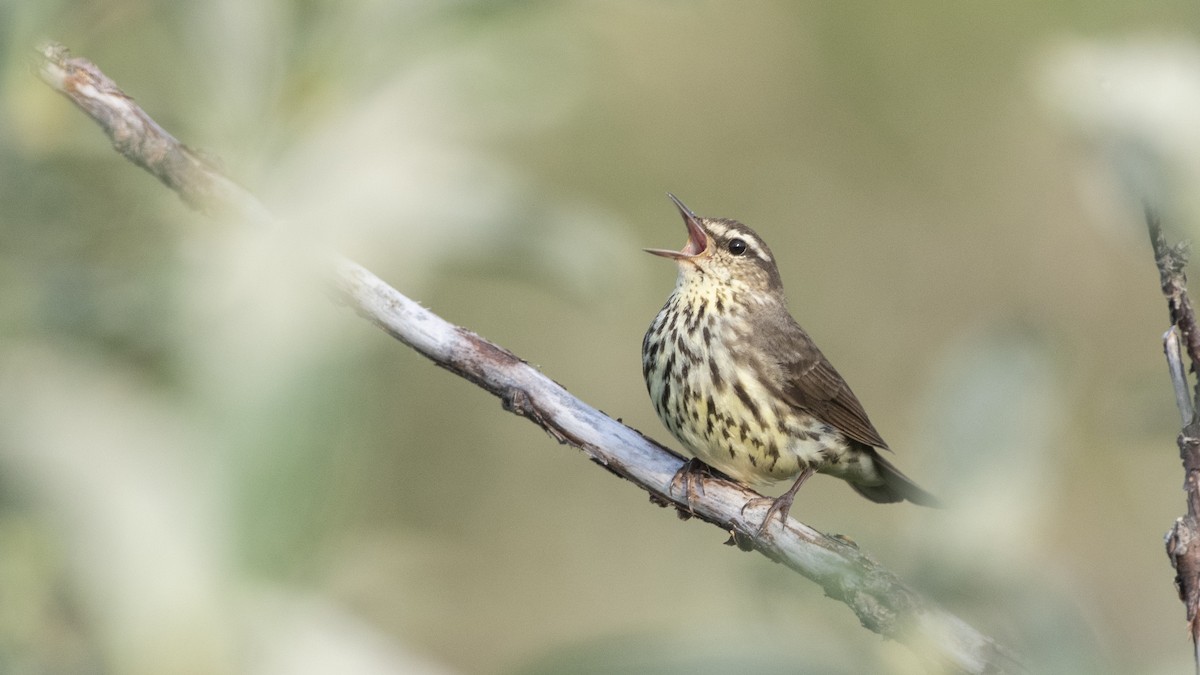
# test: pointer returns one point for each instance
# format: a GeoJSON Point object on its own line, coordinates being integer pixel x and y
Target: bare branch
{"type": "Point", "coordinates": [881, 601]}
{"type": "Point", "coordinates": [1183, 540]}
{"type": "Point", "coordinates": [1183, 398]}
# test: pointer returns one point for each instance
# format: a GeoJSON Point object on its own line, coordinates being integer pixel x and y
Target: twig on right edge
{"type": "Point", "coordinates": [1183, 398]}
{"type": "Point", "coordinates": [1171, 261]}
{"type": "Point", "coordinates": [1183, 540]}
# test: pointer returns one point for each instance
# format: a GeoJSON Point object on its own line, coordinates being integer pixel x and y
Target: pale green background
{"type": "Point", "coordinates": [206, 467]}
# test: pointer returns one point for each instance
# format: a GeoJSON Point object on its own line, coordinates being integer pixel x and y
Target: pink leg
{"type": "Point", "coordinates": [783, 503]}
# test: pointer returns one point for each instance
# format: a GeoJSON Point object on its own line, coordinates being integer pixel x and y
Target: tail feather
{"type": "Point", "coordinates": [896, 487]}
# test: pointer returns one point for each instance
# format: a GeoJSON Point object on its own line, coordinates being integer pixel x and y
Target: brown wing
{"type": "Point", "coordinates": [813, 385]}
{"type": "Point", "coordinates": [809, 382]}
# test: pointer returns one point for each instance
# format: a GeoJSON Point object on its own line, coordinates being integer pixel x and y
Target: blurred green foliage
{"type": "Point", "coordinates": [206, 467]}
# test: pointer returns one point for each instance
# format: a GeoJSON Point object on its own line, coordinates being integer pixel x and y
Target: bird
{"type": "Point", "coordinates": [744, 388]}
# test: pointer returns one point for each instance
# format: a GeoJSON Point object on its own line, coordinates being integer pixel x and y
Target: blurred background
{"type": "Point", "coordinates": [207, 467]}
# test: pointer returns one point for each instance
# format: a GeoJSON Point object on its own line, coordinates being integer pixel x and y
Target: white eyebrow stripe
{"type": "Point", "coordinates": [719, 230]}
{"type": "Point", "coordinates": [756, 245]}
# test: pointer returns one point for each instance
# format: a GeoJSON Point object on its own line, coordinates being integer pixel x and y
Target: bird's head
{"type": "Point", "coordinates": [725, 252]}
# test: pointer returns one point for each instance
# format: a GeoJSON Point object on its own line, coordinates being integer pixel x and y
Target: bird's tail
{"type": "Point", "coordinates": [896, 486]}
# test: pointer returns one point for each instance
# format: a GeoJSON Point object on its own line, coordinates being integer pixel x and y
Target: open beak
{"type": "Point", "coordinates": [697, 242]}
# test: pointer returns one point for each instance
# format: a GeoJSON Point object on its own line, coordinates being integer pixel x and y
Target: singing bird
{"type": "Point", "coordinates": [742, 385]}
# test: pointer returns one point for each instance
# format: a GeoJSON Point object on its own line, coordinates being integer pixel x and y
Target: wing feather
{"type": "Point", "coordinates": [809, 383]}
{"type": "Point", "coordinates": [814, 386]}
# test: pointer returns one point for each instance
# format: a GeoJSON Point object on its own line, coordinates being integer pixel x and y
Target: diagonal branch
{"type": "Point", "coordinates": [1183, 540]}
{"type": "Point", "coordinates": [882, 602]}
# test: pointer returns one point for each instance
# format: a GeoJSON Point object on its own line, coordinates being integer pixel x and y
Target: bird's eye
{"type": "Point", "coordinates": [737, 246]}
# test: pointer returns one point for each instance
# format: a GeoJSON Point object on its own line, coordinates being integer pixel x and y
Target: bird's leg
{"type": "Point", "coordinates": [689, 480]}
{"type": "Point", "coordinates": [781, 504]}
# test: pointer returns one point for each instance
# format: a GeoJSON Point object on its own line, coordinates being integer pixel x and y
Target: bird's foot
{"type": "Point", "coordinates": [780, 505]}
{"type": "Point", "coordinates": [689, 481]}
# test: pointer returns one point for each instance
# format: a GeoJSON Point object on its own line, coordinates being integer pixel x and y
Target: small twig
{"type": "Point", "coordinates": [1171, 261]}
{"type": "Point", "coordinates": [882, 602]}
{"type": "Point", "coordinates": [1183, 540]}
{"type": "Point", "coordinates": [1183, 398]}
